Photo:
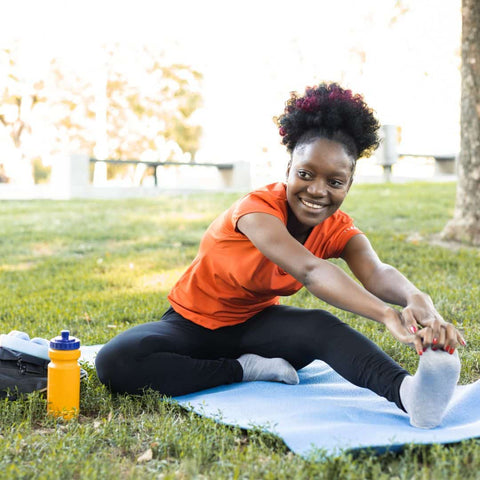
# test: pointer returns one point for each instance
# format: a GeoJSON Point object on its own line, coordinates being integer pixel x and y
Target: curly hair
{"type": "Point", "coordinates": [329, 111]}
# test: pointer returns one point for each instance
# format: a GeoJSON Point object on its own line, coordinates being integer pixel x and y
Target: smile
{"type": "Point", "coordinates": [316, 206]}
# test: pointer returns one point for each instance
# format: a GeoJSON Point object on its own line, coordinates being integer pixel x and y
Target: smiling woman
{"type": "Point", "coordinates": [318, 179]}
{"type": "Point", "coordinates": [226, 324]}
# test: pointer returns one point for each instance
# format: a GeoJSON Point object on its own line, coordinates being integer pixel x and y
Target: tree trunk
{"type": "Point", "coordinates": [465, 225]}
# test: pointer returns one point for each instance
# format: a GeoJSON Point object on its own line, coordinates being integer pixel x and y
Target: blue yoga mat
{"type": "Point", "coordinates": [326, 413]}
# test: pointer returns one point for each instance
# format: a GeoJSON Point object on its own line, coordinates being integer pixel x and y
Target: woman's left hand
{"type": "Point", "coordinates": [440, 334]}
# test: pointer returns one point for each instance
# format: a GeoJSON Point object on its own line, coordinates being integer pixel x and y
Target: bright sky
{"type": "Point", "coordinates": [253, 53]}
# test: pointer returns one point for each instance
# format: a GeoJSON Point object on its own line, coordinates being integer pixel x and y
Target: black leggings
{"type": "Point", "coordinates": [176, 356]}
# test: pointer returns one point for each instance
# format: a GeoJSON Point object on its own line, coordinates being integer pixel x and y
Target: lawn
{"type": "Point", "coordinates": [99, 267]}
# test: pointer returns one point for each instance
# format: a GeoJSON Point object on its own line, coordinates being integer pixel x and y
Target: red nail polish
{"type": "Point", "coordinates": [451, 351]}
{"type": "Point", "coordinates": [434, 341]}
{"type": "Point", "coordinates": [434, 349]}
{"type": "Point", "coordinates": [413, 329]}
{"type": "Point", "coordinates": [420, 352]}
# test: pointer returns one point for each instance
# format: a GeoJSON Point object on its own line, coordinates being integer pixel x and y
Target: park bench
{"type": "Point", "coordinates": [388, 154]}
{"type": "Point", "coordinates": [224, 168]}
{"type": "Point", "coordinates": [444, 163]}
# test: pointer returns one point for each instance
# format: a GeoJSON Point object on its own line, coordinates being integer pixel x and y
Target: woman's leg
{"type": "Point", "coordinates": [303, 335]}
{"type": "Point", "coordinates": [173, 356]}
{"type": "Point", "coordinates": [176, 356]}
{"type": "Point", "coordinates": [300, 336]}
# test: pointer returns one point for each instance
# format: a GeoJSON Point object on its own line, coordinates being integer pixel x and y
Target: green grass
{"type": "Point", "coordinates": [99, 267]}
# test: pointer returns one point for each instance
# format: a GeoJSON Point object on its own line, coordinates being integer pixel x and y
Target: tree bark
{"type": "Point", "coordinates": [465, 225]}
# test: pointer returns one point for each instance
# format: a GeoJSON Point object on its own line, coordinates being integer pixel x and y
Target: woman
{"type": "Point", "coordinates": [225, 323]}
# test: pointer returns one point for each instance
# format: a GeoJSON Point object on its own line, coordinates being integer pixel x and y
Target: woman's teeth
{"type": "Point", "coordinates": [312, 205]}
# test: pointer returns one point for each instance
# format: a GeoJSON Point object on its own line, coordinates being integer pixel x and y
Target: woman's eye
{"type": "Point", "coordinates": [304, 175]}
{"type": "Point", "coordinates": [336, 183]}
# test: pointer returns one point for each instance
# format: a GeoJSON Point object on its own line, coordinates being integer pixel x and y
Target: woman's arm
{"type": "Point", "coordinates": [382, 280]}
{"type": "Point", "coordinates": [388, 284]}
{"type": "Point", "coordinates": [323, 279]}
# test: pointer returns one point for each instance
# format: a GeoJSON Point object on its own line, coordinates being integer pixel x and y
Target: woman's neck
{"type": "Point", "coordinates": [295, 228]}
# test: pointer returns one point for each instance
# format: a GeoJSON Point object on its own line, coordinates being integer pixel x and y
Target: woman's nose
{"type": "Point", "coordinates": [317, 188]}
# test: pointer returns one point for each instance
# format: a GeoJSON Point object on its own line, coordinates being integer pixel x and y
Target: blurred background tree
{"type": "Point", "coordinates": [71, 100]}
{"type": "Point", "coordinates": [19, 96]}
{"type": "Point", "coordinates": [150, 104]}
{"type": "Point", "coordinates": [465, 225]}
{"type": "Point", "coordinates": [135, 105]}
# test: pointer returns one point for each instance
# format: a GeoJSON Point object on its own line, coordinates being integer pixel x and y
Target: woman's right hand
{"type": "Point", "coordinates": [397, 327]}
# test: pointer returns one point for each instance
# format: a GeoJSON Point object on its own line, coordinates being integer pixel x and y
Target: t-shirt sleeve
{"type": "Point", "coordinates": [342, 230]}
{"type": "Point", "coordinates": [257, 202]}
{"type": "Point", "coordinates": [330, 237]}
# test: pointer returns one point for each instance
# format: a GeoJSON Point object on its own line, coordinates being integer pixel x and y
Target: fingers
{"type": "Point", "coordinates": [444, 335]}
{"type": "Point", "coordinates": [436, 333]}
{"type": "Point", "coordinates": [396, 326]}
{"type": "Point", "coordinates": [453, 338]}
{"type": "Point", "coordinates": [438, 341]}
{"type": "Point", "coordinates": [460, 339]}
{"type": "Point", "coordinates": [418, 344]}
{"type": "Point", "coordinates": [421, 339]}
{"type": "Point", "coordinates": [438, 325]}
{"type": "Point", "coordinates": [409, 321]}
{"type": "Point", "coordinates": [450, 342]}
{"type": "Point", "coordinates": [447, 338]}
{"type": "Point", "coordinates": [426, 335]}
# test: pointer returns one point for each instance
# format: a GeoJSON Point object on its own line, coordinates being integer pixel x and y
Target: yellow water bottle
{"type": "Point", "coordinates": [63, 381]}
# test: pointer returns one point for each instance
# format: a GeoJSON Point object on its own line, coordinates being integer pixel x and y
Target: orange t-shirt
{"type": "Point", "coordinates": [230, 280]}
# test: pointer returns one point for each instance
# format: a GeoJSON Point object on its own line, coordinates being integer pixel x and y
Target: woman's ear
{"type": "Point", "coordinates": [350, 183]}
{"type": "Point", "coordinates": [352, 174]}
{"type": "Point", "coordinates": [288, 168]}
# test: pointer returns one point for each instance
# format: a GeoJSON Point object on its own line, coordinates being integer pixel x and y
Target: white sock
{"type": "Point", "coordinates": [267, 369]}
{"type": "Point", "coordinates": [427, 394]}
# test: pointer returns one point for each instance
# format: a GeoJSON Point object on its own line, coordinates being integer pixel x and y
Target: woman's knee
{"type": "Point", "coordinates": [118, 359]}
{"type": "Point", "coordinates": [123, 360]}
{"type": "Point", "coordinates": [111, 365]}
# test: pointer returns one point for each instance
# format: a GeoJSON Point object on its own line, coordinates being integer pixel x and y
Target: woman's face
{"type": "Point", "coordinates": [318, 179]}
